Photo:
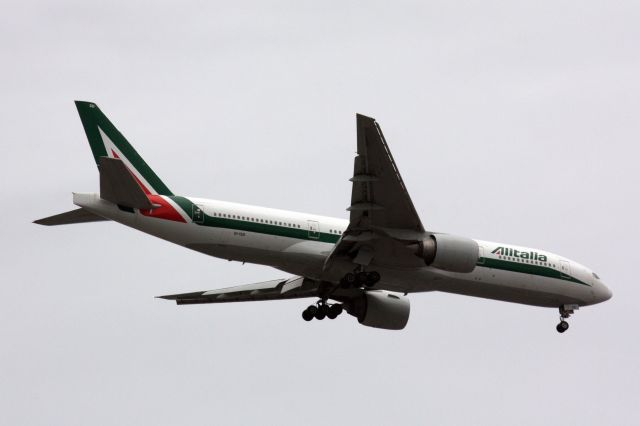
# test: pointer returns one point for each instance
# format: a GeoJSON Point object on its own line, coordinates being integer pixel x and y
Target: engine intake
{"type": "Point", "coordinates": [382, 309]}
{"type": "Point", "coordinates": [449, 252]}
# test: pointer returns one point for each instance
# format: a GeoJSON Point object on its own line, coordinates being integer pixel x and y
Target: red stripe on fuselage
{"type": "Point", "coordinates": [166, 211]}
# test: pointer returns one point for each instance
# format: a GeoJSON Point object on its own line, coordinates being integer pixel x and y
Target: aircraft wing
{"type": "Point", "coordinates": [379, 198]}
{"type": "Point", "coordinates": [291, 288]}
{"type": "Point", "coordinates": [383, 221]}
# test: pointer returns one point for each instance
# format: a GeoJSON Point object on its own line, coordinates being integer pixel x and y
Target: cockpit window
{"type": "Point", "coordinates": [595, 276]}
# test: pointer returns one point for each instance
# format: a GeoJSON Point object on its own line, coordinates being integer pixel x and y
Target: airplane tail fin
{"type": "Point", "coordinates": [107, 141]}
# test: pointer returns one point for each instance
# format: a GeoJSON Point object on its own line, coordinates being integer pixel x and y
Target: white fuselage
{"type": "Point", "coordinates": [300, 243]}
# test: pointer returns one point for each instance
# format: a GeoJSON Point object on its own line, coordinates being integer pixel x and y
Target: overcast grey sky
{"type": "Point", "coordinates": [511, 121]}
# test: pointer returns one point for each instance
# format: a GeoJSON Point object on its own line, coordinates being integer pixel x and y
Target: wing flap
{"type": "Point", "coordinates": [292, 288]}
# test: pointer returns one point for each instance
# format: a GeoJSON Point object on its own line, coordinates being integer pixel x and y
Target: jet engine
{"type": "Point", "coordinates": [381, 309]}
{"type": "Point", "coordinates": [449, 252]}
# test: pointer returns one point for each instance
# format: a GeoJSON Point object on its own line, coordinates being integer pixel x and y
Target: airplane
{"type": "Point", "coordinates": [365, 266]}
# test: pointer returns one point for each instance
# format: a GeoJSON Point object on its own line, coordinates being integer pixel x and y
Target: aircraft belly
{"type": "Point", "coordinates": [300, 257]}
{"type": "Point", "coordinates": [514, 287]}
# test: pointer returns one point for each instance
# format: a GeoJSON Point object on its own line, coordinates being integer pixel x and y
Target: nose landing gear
{"type": "Point", "coordinates": [565, 312]}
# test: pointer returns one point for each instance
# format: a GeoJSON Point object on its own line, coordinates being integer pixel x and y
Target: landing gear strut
{"type": "Point", "coordinates": [322, 310]}
{"type": "Point", "coordinates": [565, 313]}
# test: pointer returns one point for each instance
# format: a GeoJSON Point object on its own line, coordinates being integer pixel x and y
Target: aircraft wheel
{"type": "Point", "coordinates": [334, 311]}
{"type": "Point", "coordinates": [361, 278]}
{"type": "Point", "coordinates": [307, 315]}
{"type": "Point", "coordinates": [349, 279]}
{"type": "Point", "coordinates": [372, 278]}
{"type": "Point", "coordinates": [321, 311]}
{"type": "Point", "coordinates": [320, 314]}
{"type": "Point", "coordinates": [562, 327]}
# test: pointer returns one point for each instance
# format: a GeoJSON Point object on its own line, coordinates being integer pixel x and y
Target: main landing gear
{"type": "Point", "coordinates": [360, 279]}
{"type": "Point", "coordinates": [356, 279]}
{"type": "Point", "coordinates": [565, 313]}
{"type": "Point", "coordinates": [322, 310]}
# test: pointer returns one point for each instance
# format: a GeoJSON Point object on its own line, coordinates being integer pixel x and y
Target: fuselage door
{"type": "Point", "coordinates": [480, 255]}
{"type": "Point", "coordinates": [314, 229]}
{"type": "Point", "coordinates": [565, 269]}
{"type": "Point", "coordinates": [197, 214]}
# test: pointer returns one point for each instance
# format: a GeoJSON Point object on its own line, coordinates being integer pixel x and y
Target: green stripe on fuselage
{"type": "Point", "coordinates": [248, 226]}
{"type": "Point", "coordinates": [303, 234]}
{"type": "Point", "coordinates": [526, 268]}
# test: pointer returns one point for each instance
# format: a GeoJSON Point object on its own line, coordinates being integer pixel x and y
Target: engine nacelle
{"type": "Point", "coordinates": [382, 309]}
{"type": "Point", "coordinates": [449, 252]}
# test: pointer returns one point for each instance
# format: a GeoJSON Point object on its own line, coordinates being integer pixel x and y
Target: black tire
{"type": "Point", "coordinates": [361, 278]}
{"type": "Point", "coordinates": [350, 279]}
{"type": "Point", "coordinates": [562, 327]}
{"type": "Point", "coordinates": [372, 278]}
{"type": "Point", "coordinates": [307, 315]}
{"type": "Point", "coordinates": [320, 314]}
{"type": "Point", "coordinates": [334, 311]}
{"type": "Point", "coordinates": [312, 310]}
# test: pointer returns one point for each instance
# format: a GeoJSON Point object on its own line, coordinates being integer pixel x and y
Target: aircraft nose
{"type": "Point", "coordinates": [601, 292]}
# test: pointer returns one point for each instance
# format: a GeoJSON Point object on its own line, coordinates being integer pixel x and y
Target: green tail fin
{"type": "Point", "coordinates": [107, 141]}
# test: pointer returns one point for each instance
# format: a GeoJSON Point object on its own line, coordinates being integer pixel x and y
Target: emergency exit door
{"type": "Point", "coordinates": [314, 229]}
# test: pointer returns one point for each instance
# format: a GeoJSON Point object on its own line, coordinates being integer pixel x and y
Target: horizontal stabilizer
{"type": "Point", "coordinates": [118, 185]}
{"type": "Point", "coordinates": [68, 218]}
